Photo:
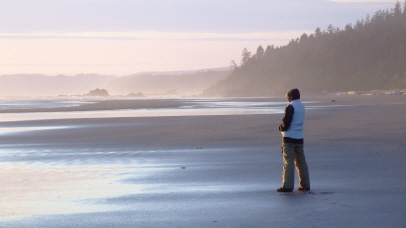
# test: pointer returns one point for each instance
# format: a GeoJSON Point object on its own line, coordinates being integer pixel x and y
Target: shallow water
{"type": "Point", "coordinates": [28, 103]}
{"type": "Point", "coordinates": [187, 107]}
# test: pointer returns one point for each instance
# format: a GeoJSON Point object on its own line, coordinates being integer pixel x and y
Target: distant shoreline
{"type": "Point", "coordinates": [114, 103]}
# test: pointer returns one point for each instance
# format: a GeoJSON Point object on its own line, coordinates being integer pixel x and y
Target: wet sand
{"type": "Point", "coordinates": [205, 171]}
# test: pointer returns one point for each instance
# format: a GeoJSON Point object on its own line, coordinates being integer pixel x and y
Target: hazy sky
{"type": "Point", "coordinates": [128, 36]}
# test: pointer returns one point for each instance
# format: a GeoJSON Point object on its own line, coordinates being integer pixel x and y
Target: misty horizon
{"type": "Point", "coordinates": [176, 83]}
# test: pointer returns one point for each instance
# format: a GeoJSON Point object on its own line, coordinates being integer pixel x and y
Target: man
{"type": "Point", "coordinates": [292, 145]}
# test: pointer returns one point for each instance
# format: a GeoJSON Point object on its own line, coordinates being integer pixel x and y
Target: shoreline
{"type": "Point", "coordinates": [153, 103]}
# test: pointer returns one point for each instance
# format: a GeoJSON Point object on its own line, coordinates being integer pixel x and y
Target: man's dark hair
{"type": "Point", "coordinates": [293, 94]}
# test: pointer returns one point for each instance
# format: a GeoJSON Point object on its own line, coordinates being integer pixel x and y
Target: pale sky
{"type": "Point", "coordinates": [122, 37]}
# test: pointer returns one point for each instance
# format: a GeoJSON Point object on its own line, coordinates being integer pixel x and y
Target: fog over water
{"type": "Point", "coordinates": [190, 107]}
{"type": "Point", "coordinates": [187, 107]}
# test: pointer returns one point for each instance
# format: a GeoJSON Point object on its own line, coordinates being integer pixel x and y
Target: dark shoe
{"type": "Point", "coordinates": [303, 189]}
{"type": "Point", "coordinates": [284, 190]}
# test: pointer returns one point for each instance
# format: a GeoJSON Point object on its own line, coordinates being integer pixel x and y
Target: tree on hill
{"type": "Point", "coordinates": [371, 54]}
{"type": "Point", "coordinates": [246, 55]}
{"type": "Point", "coordinates": [260, 52]}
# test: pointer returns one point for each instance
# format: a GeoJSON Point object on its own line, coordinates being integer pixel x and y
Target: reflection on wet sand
{"type": "Point", "coordinates": [8, 130]}
{"type": "Point", "coordinates": [38, 189]}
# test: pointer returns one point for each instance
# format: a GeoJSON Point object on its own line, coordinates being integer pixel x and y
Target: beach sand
{"type": "Point", "coordinates": [205, 171]}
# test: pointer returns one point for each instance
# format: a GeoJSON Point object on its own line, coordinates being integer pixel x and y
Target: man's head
{"type": "Point", "coordinates": [293, 94]}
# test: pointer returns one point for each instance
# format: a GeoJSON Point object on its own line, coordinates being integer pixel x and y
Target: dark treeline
{"type": "Point", "coordinates": [367, 55]}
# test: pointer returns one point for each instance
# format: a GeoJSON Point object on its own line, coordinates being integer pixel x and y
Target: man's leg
{"type": "Point", "coordinates": [288, 174]}
{"type": "Point", "coordinates": [301, 167]}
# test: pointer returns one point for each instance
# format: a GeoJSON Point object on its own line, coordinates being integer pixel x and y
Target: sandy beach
{"type": "Point", "coordinates": [204, 169]}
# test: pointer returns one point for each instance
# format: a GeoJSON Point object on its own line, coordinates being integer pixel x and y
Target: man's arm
{"type": "Point", "coordinates": [287, 119]}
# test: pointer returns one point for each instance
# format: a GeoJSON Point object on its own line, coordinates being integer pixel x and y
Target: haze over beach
{"type": "Point", "coordinates": [133, 113]}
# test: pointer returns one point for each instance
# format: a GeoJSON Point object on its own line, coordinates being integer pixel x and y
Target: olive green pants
{"type": "Point", "coordinates": [293, 154]}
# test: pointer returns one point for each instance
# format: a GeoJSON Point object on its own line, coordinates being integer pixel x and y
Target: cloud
{"type": "Point", "coordinates": [176, 15]}
{"type": "Point", "coordinates": [156, 35]}
{"type": "Point", "coordinates": [127, 15]}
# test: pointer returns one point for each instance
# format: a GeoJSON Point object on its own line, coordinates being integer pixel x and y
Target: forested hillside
{"type": "Point", "coordinates": [173, 84]}
{"type": "Point", "coordinates": [367, 55]}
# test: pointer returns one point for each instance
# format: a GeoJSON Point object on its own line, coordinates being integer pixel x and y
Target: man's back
{"type": "Point", "coordinates": [295, 130]}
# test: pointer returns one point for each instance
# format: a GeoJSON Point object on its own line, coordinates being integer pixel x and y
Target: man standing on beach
{"type": "Point", "coordinates": [292, 145]}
